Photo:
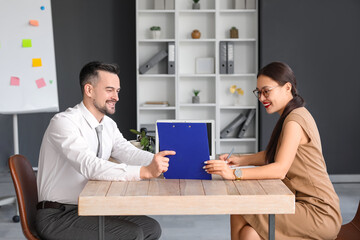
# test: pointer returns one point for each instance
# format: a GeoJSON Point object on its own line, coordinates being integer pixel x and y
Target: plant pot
{"type": "Point", "coordinates": [196, 6]}
{"type": "Point", "coordinates": [195, 99]}
{"type": "Point", "coordinates": [156, 34]}
{"type": "Point", "coordinates": [196, 34]}
{"type": "Point", "coordinates": [234, 33]}
{"type": "Point", "coordinates": [136, 143]}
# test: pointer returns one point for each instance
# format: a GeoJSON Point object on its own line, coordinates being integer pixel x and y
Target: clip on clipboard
{"type": "Point", "coordinates": [190, 142]}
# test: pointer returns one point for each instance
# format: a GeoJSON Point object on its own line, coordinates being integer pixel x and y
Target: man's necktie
{"type": "Point", "coordinates": [99, 136]}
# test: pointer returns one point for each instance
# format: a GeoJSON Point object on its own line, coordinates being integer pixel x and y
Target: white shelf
{"type": "Point", "coordinates": [197, 40]}
{"type": "Point", "coordinates": [156, 75]}
{"type": "Point", "coordinates": [156, 108]}
{"type": "Point", "coordinates": [238, 139]}
{"type": "Point", "coordinates": [237, 11]}
{"type": "Point", "coordinates": [237, 107]}
{"type": "Point", "coordinates": [195, 105]}
{"type": "Point", "coordinates": [195, 75]}
{"type": "Point", "coordinates": [198, 11]}
{"type": "Point", "coordinates": [156, 40]}
{"type": "Point", "coordinates": [214, 21]}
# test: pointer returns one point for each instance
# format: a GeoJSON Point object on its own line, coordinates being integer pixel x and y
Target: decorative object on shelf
{"type": "Point", "coordinates": [156, 32]}
{"type": "Point", "coordinates": [159, 4]}
{"type": "Point", "coordinates": [156, 104]}
{"type": "Point", "coordinates": [196, 98]}
{"type": "Point", "coordinates": [239, 4]}
{"type": "Point", "coordinates": [146, 141]}
{"type": "Point", "coordinates": [196, 34]}
{"type": "Point", "coordinates": [238, 92]}
{"type": "Point", "coordinates": [234, 33]}
{"type": "Point", "coordinates": [205, 65]}
{"type": "Point", "coordinates": [196, 4]}
{"type": "Point", "coordinates": [250, 4]}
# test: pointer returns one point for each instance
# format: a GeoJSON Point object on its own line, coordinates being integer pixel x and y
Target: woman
{"type": "Point", "coordinates": [294, 155]}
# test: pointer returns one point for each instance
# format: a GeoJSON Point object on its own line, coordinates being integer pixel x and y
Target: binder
{"type": "Point", "coordinates": [239, 4]}
{"type": "Point", "coordinates": [159, 4]}
{"type": "Point", "coordinates": [230, 57]}
{"type": "Point", "coordinates": [250, 4]}
{"type": "Point", "coordinates": [243, 129]}
{"type": "Point", "coordinates": [233, 125]}
{"type": "Point", "coordinates": [171, 58]}
{"type": "Point", "coordinates": [190, 142]}
{"type": "Point", "coordinates": [223, 57]}
{"type": "Point", "coordinates": [169, 4]}
{"type": "Point", "coordinates": [153, 61]}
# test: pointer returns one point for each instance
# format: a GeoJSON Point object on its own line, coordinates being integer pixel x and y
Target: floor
{"type": "Point", "coordinates": [209, 227]}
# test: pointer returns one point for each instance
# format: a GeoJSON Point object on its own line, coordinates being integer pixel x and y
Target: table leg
{"type": "Point", "coordinates": [271, 227]}
{"type": "Point", "coordinates": [101, 228]}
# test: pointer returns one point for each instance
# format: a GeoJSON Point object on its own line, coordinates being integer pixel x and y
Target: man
{"type": "Point", "coordinates": [76, 147]}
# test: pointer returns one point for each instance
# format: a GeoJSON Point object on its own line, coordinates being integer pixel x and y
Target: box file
{"type": "Point", "coordinates": [245, 126]}
{"type": "Point", "coordinates": [153, 61]}
{"type": "Point", "coordinates": [223, 57]}
{"type": "Point", "coordinates": [250, 4]}
{"type": "Point", "coordinates": [171, 57]}
{"type": "Point", "coordinates": [233, 125]}
{"type": "Point", "coordinates": [230, 57]}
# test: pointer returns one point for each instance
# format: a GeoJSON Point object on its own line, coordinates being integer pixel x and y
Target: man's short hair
{"type": "Point", "coordinates": [89, 73]}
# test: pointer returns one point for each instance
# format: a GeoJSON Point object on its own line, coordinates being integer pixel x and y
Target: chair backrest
{"type": "Point", "coordinates": [351, 230]}
{"type": "Point", "coordinates": [26, 191]}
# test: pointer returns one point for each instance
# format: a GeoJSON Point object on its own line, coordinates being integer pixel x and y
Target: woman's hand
{"type": "Point", "coordinates": [219, 167]}
{"type": "Point", "coordinates": [232, 161]}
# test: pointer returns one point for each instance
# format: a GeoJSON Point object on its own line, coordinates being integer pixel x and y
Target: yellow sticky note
{"type": "Point", "coordinates": [36, 62]}
{"type": "Point", "coordinates": [26, 43]}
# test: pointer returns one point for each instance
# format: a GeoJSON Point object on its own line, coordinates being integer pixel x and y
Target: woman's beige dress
{"type": "Point", "coordinates": [317, 212]}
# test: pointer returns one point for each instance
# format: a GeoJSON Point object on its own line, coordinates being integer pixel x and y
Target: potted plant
{"type": "Point", "coordinates": [196, 98]}
{"type": "Point", "coordinates": [237, 92]}
{"type": "Point", "coordinates": [196, 4]}
{"type": "Point", "coordinates": [156, 31]}
{"type": "Point", "coordinates": [234, 33]}
{"type": "Point", "coordinates": [143, 141]}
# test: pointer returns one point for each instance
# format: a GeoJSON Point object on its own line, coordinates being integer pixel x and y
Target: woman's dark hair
{"type": "Point", "coordinates": [89, 72]}
{"type": "Point", "coordinates": [282, 74]}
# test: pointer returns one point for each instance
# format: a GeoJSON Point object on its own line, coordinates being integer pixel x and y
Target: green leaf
{"type": "Point", "coordinates": [135, 131]}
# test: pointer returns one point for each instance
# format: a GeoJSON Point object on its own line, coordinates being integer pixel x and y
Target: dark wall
{"type": "Point", "coordinates": [84, 30]}
{"type": "Point", "coordinates": [320, 40]}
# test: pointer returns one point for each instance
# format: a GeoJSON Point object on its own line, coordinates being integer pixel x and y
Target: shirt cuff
{"type": "Point", "coordinates": [133, 173]}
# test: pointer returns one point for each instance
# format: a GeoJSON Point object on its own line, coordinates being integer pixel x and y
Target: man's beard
{"type": "Point", "coordinates": [103, 109]}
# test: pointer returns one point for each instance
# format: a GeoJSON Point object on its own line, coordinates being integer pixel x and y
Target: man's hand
{"type": "Point", "coordinates": [158, 165]}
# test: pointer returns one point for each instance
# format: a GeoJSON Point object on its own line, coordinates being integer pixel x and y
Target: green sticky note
{"type": "Point", "coordinates": [26, 43]}
{"type": "Point", "coordinates": [51, 81]}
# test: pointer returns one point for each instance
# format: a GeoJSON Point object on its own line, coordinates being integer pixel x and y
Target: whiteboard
{"type": "Point", "coordinates": [27, 57]}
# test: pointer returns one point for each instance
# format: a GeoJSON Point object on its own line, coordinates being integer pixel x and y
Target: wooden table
{"type": "Point", "coordinates": [186, 197]}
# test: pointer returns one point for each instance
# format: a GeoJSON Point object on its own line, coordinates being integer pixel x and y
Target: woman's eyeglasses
{"type": "Point", "coordinates": [265, 92]}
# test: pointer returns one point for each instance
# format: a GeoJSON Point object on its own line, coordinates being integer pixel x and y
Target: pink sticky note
{"type": "Point", "coordinates": [40, 83]}
{"type": "Point", "coordinates": [14, 81]}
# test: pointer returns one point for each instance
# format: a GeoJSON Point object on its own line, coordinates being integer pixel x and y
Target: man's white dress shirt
{"type": "Point", "coordinates": [68, 159]}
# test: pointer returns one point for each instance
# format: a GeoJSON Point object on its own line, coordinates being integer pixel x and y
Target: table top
{"type": "Point", "coordinates": [186, 197]}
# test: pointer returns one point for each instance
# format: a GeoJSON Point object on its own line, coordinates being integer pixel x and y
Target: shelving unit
{"type": "Point", "coordinates": [213, 20]}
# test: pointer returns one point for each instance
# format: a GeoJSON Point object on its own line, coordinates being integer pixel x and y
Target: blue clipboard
{"type": "Point", "coordinates": [190, 142]}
